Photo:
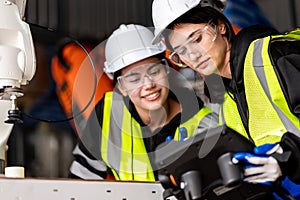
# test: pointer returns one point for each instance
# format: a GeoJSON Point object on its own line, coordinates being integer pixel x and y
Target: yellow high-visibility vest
{"type": "Point", "coordinates": [122, 144]}
{"type": "Point", "coordinates": [269, 116]}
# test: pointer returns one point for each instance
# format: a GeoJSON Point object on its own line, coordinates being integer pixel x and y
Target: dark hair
{"type": "Point", "coordinates": [118, 73]}
{"type": "Point", "coordinates": [199, 15]}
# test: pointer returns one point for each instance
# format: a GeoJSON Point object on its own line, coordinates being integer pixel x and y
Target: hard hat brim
{"type": "Point", "coordinates": [157, 37]}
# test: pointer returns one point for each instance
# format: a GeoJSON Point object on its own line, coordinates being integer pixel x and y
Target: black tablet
{"type": "Point", "coordinates": [201, 168]}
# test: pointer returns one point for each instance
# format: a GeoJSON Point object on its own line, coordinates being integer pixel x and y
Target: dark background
{"type": "Point", "coordinates": [45, 148]}
{"type": "Point", "coordinates": [97, 18]}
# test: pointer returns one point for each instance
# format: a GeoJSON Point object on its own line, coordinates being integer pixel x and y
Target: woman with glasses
{"type": "Point", "coordinates": [143, 111]}
{"type": "Point", "coordinates": [259, 67]}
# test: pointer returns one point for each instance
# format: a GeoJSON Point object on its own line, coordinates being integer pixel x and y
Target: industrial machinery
{"type": "Point", "coordinates": [201, 167]}
{"type": "Point", "coordinates": [17, 66]}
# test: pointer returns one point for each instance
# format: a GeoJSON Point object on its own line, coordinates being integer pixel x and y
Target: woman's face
{"type": "Point", "coordinates": [146, 83]}
{"type": "Point", "coordinates": [200, 46]}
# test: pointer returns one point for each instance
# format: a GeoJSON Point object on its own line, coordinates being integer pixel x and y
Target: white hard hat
{"type": "Point", "coordinates": [129, 44]}
{"type": "Point", "coordinates": [164, 12]}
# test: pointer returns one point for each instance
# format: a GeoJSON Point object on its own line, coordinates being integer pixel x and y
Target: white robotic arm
{"type": "Point", "coordinates": [4, 131]}
{"type": "Point", "coordinates": [17, 65]}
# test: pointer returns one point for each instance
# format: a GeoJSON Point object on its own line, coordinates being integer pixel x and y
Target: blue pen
{"type": "Point", "coordinates": [168, 138]}
{"type": "Point", "coordinates": [182, 133]}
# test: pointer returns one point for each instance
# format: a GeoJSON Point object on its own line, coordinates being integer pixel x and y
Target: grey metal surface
{"type": "Point", "coordinates": [36, 189]}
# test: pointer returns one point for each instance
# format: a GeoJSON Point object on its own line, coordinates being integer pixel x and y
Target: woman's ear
{"type": "Point", "coordinates": [123, 92]}
{"type": "Point", "coordinates": [222, 28]}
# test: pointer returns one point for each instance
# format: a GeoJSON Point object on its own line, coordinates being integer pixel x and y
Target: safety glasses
{"type": "Point", "coordinates": [200, 40]}
{"type": "Point", "coordinates": [136, 78]}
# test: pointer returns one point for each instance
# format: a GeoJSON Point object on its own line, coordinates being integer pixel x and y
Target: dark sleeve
{"type": "Point", "coordinates": [214, 88]}
{"type": "Point", "coordinates": [91, 138]}
{"type": "Point", "coordinates": [87, 163]}
{"type": "Point", "coordinates": [286, 57]}
{"type": "Point", "coordinates": [189, 101]}
{"type": "Point", "coordinates": [291, 168]}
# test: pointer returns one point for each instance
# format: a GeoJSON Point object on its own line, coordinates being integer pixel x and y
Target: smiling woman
{"type": "Point", "coordinates": [141, 113]}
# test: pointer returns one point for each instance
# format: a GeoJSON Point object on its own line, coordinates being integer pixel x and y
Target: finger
{"type": "Point", "coordinates": [254, 171]}
{"type": "Point", "coordinates": [259, 179]}
{"type": "Point", "coordinates": [254, 179]}
{"type": "Point", "coordinates": [256, 160]}
{"type": "Point", "coordinates": [265, 148]}
{"type": "Point", "coordinates": [274, 149]}
{"type": "Point", "coordinates": [269, 183]}
{"type": "Point", "coordinates": [241, 156]}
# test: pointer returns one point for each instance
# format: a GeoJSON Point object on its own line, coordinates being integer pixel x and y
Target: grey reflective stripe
{"type": "Point", "coordinates": [259, 70]}
{"type": "Point", "coordinates": [82, 172]}
{"type": "Point", "coordinates": [222, 114]}
{"type": "Point", "coordinates": [114, 146]}
{"type": "Point", "coordinates": [208, 121]}
{"type": "Point", "coordinates": [96, 164]}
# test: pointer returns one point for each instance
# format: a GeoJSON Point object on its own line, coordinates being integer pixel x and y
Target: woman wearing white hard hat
{"type": "Point", "coordinates": [258, 66]}
{"type": "Point", "coordinates": [142, 112]}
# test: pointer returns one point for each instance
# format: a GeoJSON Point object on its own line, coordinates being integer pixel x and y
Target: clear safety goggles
{"type": "Point", "coordinates": [201, 40]}
{"type": "Point", "coordinates": [135, 79]}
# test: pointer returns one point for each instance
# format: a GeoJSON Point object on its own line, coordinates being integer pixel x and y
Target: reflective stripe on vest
{"type": "Point", "coordinates": [122, 145]}
{"type": "Point", "coordinates": [193, 123]}
{"type": "Point", "coordinates": [269, 114]}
